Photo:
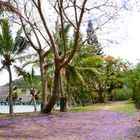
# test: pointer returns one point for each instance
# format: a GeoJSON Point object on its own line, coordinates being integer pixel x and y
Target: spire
{"type": "Point", "coordinates": [92, 39]}
{"type": "Point", "coordinates": [90, 32]}
{"type": "Point", "coordinates": [90, 29]}
{"type": "Point", "coordinates": [90, 25]}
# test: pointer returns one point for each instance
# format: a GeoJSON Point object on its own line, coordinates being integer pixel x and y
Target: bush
{"type": "Point", "coordinates": [121, 94]}
{"type": "Point", "coordinates": [137, 95]}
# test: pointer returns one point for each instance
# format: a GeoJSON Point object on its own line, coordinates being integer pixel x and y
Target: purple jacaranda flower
{"type": "Point", "coordinates": [94, 125]}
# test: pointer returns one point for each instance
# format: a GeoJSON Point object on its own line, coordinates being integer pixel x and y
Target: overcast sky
{"type": "Point", "coordinates": [129, 48]}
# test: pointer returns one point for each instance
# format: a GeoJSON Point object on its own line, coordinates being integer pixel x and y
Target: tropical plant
{"type": "Point", "coordinates": [38, 26]}
{"type": "Point", "coordinates": [9, 49]}
{"type": "Point", "coordinates": [133, 81]}
{"type": "Point", "coordinates": [30, 79]}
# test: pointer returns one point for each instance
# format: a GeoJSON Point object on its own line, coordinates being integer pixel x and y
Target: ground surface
{"type": "Point", "coordinates": [93, 125]}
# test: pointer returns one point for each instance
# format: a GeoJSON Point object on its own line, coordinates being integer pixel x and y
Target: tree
{"type": "Point", "coordinates": [35, 21]}
{"type": "Point", "coordinates": [30, 80]}
{"type": "Point", "coordinates": [9, 49]}
{"type": "Point", "coordinates": [133, 82]}
{"type": "Point", "coordinates": [92, 40]}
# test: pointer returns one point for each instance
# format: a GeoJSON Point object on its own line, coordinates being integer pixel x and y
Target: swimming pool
{"type": "Point", "coordinates": [18, 108]}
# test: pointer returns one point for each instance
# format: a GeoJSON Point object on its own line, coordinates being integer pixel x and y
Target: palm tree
{"type": "Point", "coordinates": [30, 80]}
{"type": "Point", "coordinates": [9, 49]}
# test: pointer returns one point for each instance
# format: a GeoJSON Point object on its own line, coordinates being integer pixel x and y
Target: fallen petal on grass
{"type": "Point", "coordinates": [93, 125]}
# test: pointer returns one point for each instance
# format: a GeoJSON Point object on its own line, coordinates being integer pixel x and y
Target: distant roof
{"type": "Point", "coordinates": [4, 92]}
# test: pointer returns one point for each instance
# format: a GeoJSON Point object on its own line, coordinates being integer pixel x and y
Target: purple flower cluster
{"type": "Point", "coordinates": [96, 125]}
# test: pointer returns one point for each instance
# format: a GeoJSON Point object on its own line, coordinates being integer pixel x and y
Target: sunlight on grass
{"type": "Point", "coordinates": [87, 108]}
{"type": "Point", "coordinates": [128, 108]}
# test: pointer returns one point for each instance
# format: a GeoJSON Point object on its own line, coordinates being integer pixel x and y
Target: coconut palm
{"type": "Point", "coordinates": [29, 78]}
{"type": "Point", "coordinates": [9, 49]}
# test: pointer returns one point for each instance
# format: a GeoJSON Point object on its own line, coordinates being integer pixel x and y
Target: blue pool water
{"type": "Point", "coordinates": [18, 108]}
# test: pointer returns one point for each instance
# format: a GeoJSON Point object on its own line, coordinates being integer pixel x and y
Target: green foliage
{"type": "Point", "coordinates": [22, 84]}
{"type": "Point", "coordinates": [133, 81]}
{"type": "Point", "coordinates": [74, 74]}
{"type": "Point", "coordinates": [128, 108]}
{"type": "Point", "coordinates": [136, 94]}
{"type": "Point", "coordinates": [88, 108]}
{"type": "Point", "coordinates": [121, 94]}
{"type": "Point", "coordinates": [6, 40]}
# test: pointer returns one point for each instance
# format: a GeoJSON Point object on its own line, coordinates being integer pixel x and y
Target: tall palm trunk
{"type": "Point", "coordinates": [34, 103]}
{"type": "Point", "coordinates": [43, 83]}
{"type": "Point", "coordinates": [55, 95]}
{"type": "Point", "coordinates": [10, 91]}
{"type": "Point", "coordinates": [32, 92]}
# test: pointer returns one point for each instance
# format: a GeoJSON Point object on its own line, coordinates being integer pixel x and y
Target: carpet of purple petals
{"type": "Point", "coordinates": [95, 125]}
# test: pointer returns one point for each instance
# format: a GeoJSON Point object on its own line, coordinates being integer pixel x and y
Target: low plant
{"type": "Point", "coordinates": [121, 94]}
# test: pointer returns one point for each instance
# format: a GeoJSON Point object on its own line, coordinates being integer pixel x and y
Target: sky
{"type": "Point", "coordinates": [128, 47]}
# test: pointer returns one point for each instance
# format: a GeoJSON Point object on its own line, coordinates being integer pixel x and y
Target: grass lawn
{"type": "Point", "coordinates": [128, 108]}
{"type": "Point", "coordinates": [98, 106]}
{"type": "Point", "coordinates": [125, 106]}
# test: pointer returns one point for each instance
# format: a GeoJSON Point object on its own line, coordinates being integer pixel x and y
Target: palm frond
{"type": "Point", "coordinates": [21, 72]}
{"type": "Point", "coordinates": [80, 77]}
{"type": "Point", "coordinates": [20, 45]}
{"type": "Point", "coordinates": [94, 71]}
{"type": "Point", "coordinates": [75, 74]}
{"type": "Point", "coordinates": [19, 32]}
{"type": "Point", "coordinates": [67, 28]}
{"type": "Point", "coordinates": [6, 37]}
{"type": "Point", "coordinates": [93, 61]}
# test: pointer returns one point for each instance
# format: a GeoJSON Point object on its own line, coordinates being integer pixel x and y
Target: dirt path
{"type": "Point", "coordinates": [114, 104]}
{"type": "Point", "coordinates": [94, 125]}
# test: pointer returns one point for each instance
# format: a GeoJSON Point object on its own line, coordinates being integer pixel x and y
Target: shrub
{"type": "Point", "coordinates": [121, 94]}
{"type": "Point", "coordinates": [137, 95]}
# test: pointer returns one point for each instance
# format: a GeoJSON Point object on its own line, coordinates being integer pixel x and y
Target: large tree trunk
{"type": "Point", "coordinates": [61, 84]}
{"type": "Point", "coordinates": [63, 99]}
{"type": "Point", "coordinates": [43, 83]}
{"type": "Point", "coordinates": [10, 91]}
{"type": "Point", "coordinates": [55, 95]}
{"type": "Point", "coordinates": [101, 100]}
{"type": "Point", "coordinates": [63, 104]}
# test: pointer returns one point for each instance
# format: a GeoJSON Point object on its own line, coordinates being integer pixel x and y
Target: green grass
{"type": "Point", "coordinates": [88, 108]}
{"type": "Point", "coordinates": [128, 108]}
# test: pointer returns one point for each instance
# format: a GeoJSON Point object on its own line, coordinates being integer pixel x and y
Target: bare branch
{"type": "Point", "coordinates": [48, 65]}
{"type": "Point", "coordinates": [76, 36]}
{"type": "Point", "coordinates": [54, 49]}
{"type": "Point", "coordinates": [60, 5]}
{"type": "Point", "coordinates": [47, 52]}
{"type": "Point", "coordinates": [8, 7]}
